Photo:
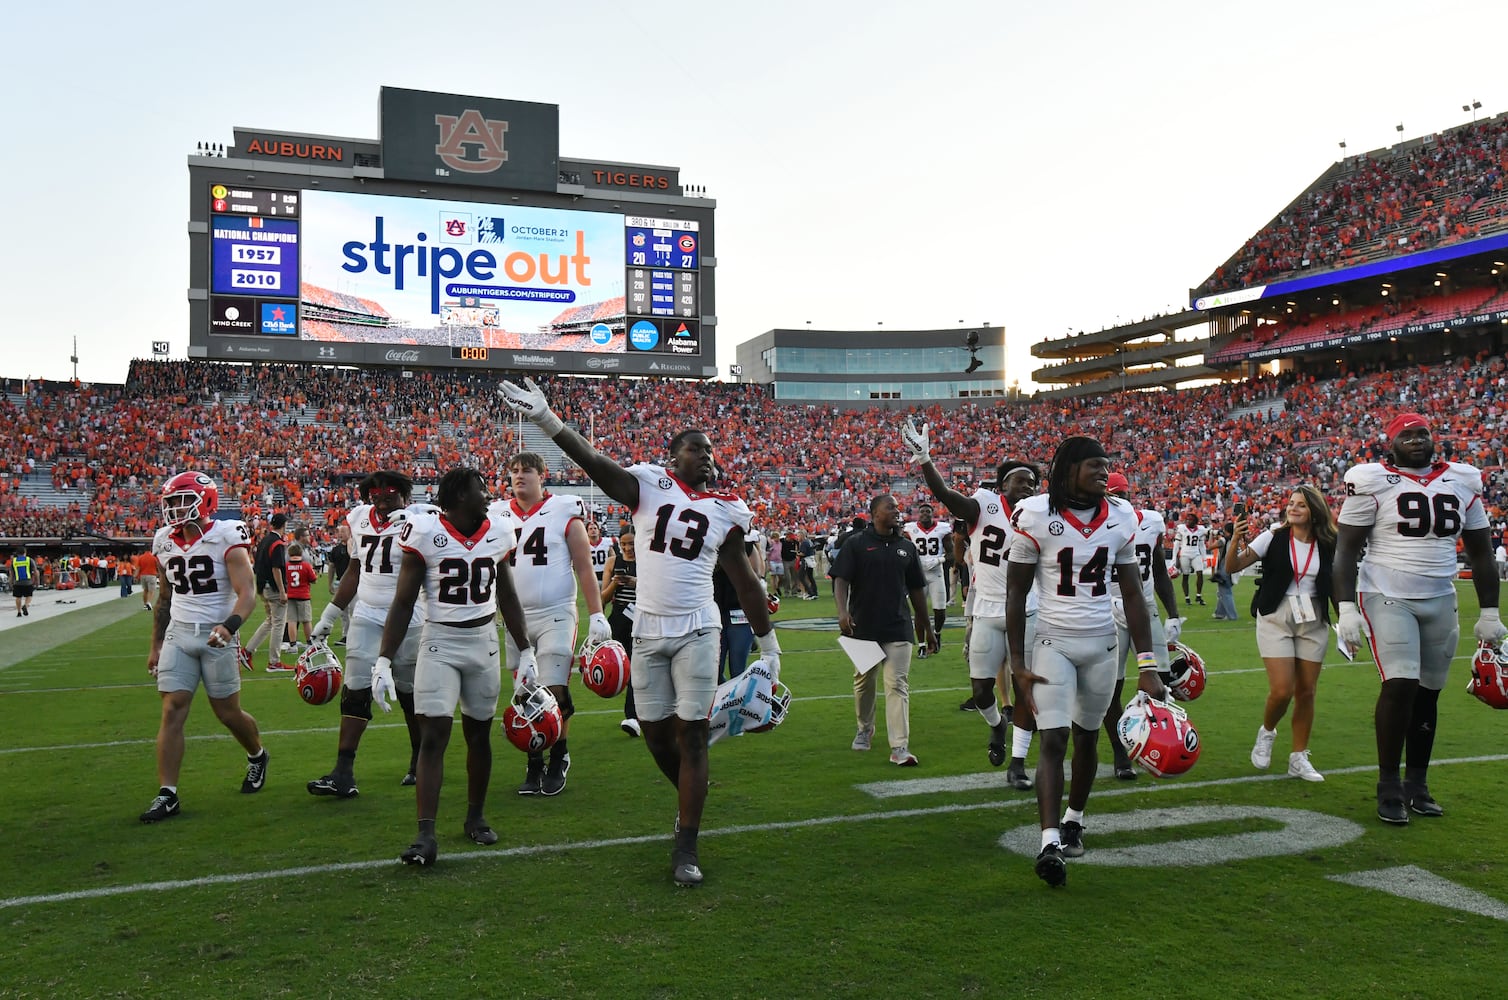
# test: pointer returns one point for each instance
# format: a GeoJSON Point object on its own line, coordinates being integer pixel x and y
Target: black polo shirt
{"type": "Point", "coordinates": [881, 571]}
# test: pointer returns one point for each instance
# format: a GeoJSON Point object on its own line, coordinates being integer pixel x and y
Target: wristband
{"type": "Point", "coordinates": [1146, 661]}
{"type": "Point", "coordinates": [550, 423]}
{"type": "Point", "coordinates": [233, 624]}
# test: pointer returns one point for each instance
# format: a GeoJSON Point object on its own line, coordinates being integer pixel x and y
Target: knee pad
{"type": "Point", "coordinates": [356, 704]}
{"type": "Point", "coordinates": [563, 699]}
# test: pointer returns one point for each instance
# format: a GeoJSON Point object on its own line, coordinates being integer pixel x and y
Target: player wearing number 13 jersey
{"type": "Point", "coordinates": [1408, 513]}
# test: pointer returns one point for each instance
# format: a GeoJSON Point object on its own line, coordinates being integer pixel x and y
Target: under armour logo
{"type": "Point", "coordinates": [471, 129]}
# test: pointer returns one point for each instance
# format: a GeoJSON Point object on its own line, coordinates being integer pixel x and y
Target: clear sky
{"type": "Point", "coordinates": [1046, 167]}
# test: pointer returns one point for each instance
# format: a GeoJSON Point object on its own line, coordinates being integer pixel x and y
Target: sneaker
{"type": "Point", "coordinates": [26, 611]}
{"type": "Point", "coordinates": [1199, 601]}
{"type": "Point", "coordinates": [162, 807]}
{"type": "Point", "coordinates": [1299, 767]}
{"type": "Point", "coordinates": [921, 651]}
{"type": "Point", "coordinates": [256, 773]}
{"type": "Point", "coordinates": [279, 667]}
{"type": "Point", "coordinates": [334, 785]}
{"type": "Point", "coordinates": [1073, 839]}
{"type": "Point", "coordinates": [534, 775]}
{"type": "Point", "coordinates": [555, 774]}
{"type": "Point", "coordinates": [863, 739]}
{"type": "Point", "coordinates": [901, 757]}
{"type": "Point", "coordinates": [409, 779]}
{"type": "Point", "coordinates": [421, 852]}
{"type": "Point", "coordinates": [968, 706]}
{"type": "Point", "coordinates": [481, 833]}
{"type": "Point", "coordinates": [1390, 805]}
{"type": "Point", "coordinates": [684, 868]}
{"type": "Point", "coordinates": [243, 656]}
{"type": "Point", "coordinates": [1051, 868]}
{"type": "Point", "coordinates": [1188, 602]}
{"type": "Point", "coordinates": [630, 726]}
{"type": "Point", "coordinates": [1421, 802]}
{"type": "Point", "coordinates": [1015, 776]}
{"type": "Point", "coordinates": [1261, 752]}
{"type": "Point", "coordinates": [997, 748]}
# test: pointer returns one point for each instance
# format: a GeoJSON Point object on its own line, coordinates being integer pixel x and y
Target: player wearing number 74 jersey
{"type": "Point", "coordinates": [684, 528]}
{"type": "Point", "coordinates": [1408, 512]}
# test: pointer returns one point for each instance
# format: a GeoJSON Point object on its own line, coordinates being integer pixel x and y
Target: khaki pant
{"type": "Point", "coordinates": [274, 623]}
{"type": "Point", "coordinates": [897, 668]}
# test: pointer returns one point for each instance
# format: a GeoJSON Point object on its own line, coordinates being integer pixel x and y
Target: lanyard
{"type": "Point", "coordinates": [1293, 559]}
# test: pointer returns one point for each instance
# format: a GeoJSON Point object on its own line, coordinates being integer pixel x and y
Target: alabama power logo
{"type": "Point", "coordinates": [471, 129]}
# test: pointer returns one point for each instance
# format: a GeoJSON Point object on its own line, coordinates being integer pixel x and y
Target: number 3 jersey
{"type": "Point", "coordinates": [542, 570]}
{"type": "Point", "coordinates": [989, 548]}
{"type": "Point", "coordinates": [678, 532]}
{"type": "Point", "coordinates": [1415, 517]}
{"type": "Point", "coordinates": [196, 570]}
{"type": "Point", "coordinates": [374, 545]}
{"type": "Point", "coordinates": [1073, 559]}
{"type": "Point", "coordinates": [460, 571]}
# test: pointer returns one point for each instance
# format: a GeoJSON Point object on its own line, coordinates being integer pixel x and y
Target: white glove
{"type": "Point", "coordinates": [384, 691]}
{"type": "Point", "coordinates": [1353, 627]}
{"type": "Point", "coordinates": [1489, 627]}
{"type": "Point", "coordinates": [597, 628]}
{"type": "Point", "coordinates": [326, 623]}
{"type": "Point", "coordinates": [1173, 628]}
{"type": "Point", "coordinates": [529, 401]}
{"type": "Point", "coordinates": [929, 563]}
{"type": "Point", "coordinates": [917, 441]}
{"type": "Point", "coordinates": [527, 672]}
{"type": "Point", "coordinates": [769, 651]}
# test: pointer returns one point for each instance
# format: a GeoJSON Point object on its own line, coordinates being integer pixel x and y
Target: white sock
{"type": "Point", "coordinates": [992, 714]}
{"type": "Point", "coordinates": [172, 789]}
{"type": "Point", "coordinates": [1050, 836]}
{"type": "Point", "coordinates": [1073, 816]}
{"type": "Point", "coordinates": [1021, 741]}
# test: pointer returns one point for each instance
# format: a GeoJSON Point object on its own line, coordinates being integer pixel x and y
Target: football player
{"type": "Point", "coordinates": [1408, 513]}
{"type": "Point", "coordinates": [602, 549]}
{"type": "Point", "coordinates": [1152, 574]}
{"type": "Point", "coordinates": [459, 559]}
{"type": "Point", "coordinates": [987, 516]}
{"type": "Point", "coordinates": [553, 557]}
{"type": "Point", "coordinates": [1191, 539]}
{"type": "Point", "coordinates": [364, 595]}
{"type": "Point", "coordinates": [207, 590]}
{"type": "Point", "coordinates": [930, 538]}
{"type": "Point", "coordinates": [683, 527]}
{"type": "Point", "coordinates": [1065, 544]}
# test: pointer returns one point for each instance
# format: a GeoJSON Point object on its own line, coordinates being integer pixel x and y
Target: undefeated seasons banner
{"type": "Point", "coordinates": [479, 141]}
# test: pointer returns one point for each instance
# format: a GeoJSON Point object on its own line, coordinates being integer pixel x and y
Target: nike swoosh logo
{"type": "Point", "coordinates": [492, 539]}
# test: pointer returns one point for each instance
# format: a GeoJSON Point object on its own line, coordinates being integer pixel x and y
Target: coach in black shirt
{"type": "Point", "coordinates": [876, 573]}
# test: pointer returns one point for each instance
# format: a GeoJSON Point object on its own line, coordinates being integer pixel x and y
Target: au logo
{"type": "Point", "coordinates": [471, 129]}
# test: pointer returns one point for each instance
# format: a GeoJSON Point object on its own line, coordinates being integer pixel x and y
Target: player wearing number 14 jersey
{"type": "Point", "coordinates": [1408, 513]}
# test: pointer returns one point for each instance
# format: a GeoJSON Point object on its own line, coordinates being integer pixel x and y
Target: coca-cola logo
{"type": "Point", "coordinates": [401, 356]}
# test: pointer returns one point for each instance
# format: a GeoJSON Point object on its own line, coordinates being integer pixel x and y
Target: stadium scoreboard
{"type": "Point", "coordinates": [460, 239]}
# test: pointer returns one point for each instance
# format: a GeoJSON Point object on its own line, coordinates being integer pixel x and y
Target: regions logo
{"type": "Point", "coordinates": [471, 143]}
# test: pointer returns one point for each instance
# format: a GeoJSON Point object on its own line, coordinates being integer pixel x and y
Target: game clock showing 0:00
{"type": "Point", "coordinates": [468, 354]}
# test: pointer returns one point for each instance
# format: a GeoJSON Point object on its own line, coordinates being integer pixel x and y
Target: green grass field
{"type": "Point", "coordinates": [829, 873]}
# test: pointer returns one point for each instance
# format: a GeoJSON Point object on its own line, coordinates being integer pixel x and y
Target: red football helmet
{"type": "Point", "coordinates": [532, 719]}
{"type": "Point", "coordinates": [1159, 736]}
{"type": "Point", "coordinates": [772, 601]}
{"type": "Point", "coordinates": [187, 497]}
{"type": "Point", "coordinates": [604, 667]}
{"type": "Point", "coordinates": [318, 674]}
{"type": "Point", "coordinates": [1489, 677]}
{"type": "Point", "coordinates": [1188, 674]}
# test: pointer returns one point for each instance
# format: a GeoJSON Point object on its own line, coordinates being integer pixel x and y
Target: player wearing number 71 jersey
{"type": "Point", "coordinates": [683, 528]}
{"type": "Point", "coordinates": [1408, 512]}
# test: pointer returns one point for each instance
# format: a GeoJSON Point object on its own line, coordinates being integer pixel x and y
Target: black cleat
{"type": "Point", "coordinates": [534, 776]}
{"type": "Point", "coordinates": [1015, 776]}
{"type": "Point", "coordinates": [1051, 868]}
{"type": "Point", "coordinates": [684, 868]}
{"type": "Point", "coordinates": [256, 773]}
{"type": "Point", "coordinates": [1199, 601]}
{"type": "Point", "coordinates": [1123, 769]}
{"type": "Point", "coordinates": [334, 785]}
{"type": "Point", "coordinates": [163, 807]}
{"type": "Point", "coordinates": [1421, 803]}
{"type": "Point", "coordinates": [555, 774]}
{"type": "Point", "coordinates": [409, 779]}
{"type": "Point", "coordinates": [968, 706]}
{"type": "Point", "coordinates": [421, 852]}
{"type": "Point", "coordinates": [998, 752]}
{"type": "Point", "coordinates": [1390, 805]}
{"type": "Point", "coordinates": [481, 833]}
{"type": "Point", "coordinates": [1073, 839]}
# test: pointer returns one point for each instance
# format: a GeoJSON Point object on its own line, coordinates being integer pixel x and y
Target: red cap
{"type": "Point", "coordinates": [1403, 422]}
{"type": "Point", "coordinates": [1118, 483]}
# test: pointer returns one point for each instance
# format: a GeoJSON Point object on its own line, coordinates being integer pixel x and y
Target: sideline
{"type": "Point", "coordinates": [61, 616]}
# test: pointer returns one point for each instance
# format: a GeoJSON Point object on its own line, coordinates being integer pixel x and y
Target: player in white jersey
{"type": "Point", "coordinates": [1191, 540]}
{"type": "Point", "coordinates": [207, 587]}
{"type": "Point", "coordinates": [365, 593]}
{"type": "Point", "coordinates": [1152, 573]}
{"type": "Point", "coordinates": [459, 559]}
{"type": "Point", "coordinates": [1065, 544]}
{"type": "Point", "coordinates": [931, 538]}
{"type": "Point", "coordinates": [987, 514]}
{"type": "Point", "coordinates": [553, 557]}
{"type": "Point", "coordinates": [602, 548]}
{"type": "Point", "coordinates": [683, 527]}
{"type": "Point", "coordinates": [1408, 513]}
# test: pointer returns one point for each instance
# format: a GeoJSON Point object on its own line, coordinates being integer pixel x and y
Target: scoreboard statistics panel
{"type": "Point", "coordinates": [395, 279]}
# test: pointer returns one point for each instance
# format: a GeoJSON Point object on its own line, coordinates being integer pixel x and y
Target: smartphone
{"type": "Point", "coordinates": [1240, 508]}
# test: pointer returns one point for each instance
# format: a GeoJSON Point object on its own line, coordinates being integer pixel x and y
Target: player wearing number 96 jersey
{"type": "Point", "coordinates": [459, 558]}
{"type": "Point", "coordinates": [1408, 513]}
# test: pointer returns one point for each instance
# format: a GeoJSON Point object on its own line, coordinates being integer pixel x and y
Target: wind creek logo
{"type": "Point", "coordinates": [604, 364]}
{"type": "Point", "coordinates": [401, 356]}
{"type": "Point", "coordinates": [471, 129]}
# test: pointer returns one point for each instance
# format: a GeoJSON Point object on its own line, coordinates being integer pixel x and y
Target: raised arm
{"type": "Point", "coordinates": [918, 441]}
{"type": "Point", "coordinates": [529, 401]}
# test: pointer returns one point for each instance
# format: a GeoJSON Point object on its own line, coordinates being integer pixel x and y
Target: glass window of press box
{"type": "Point", "coordinates": [877, 361]}
{"type": "Point", "coordinates": [944, 389]}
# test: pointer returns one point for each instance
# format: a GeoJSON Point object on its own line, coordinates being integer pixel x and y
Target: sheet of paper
{"type": "Point", "coordinates": [864, 653]}
{"type": "Point", "coordinates": [1341, 647]}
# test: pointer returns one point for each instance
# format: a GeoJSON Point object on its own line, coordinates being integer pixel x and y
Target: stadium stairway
{"type": "Point", "coordinates": [537, 441]}
{"type": "Point", "coordinates": [38, 489]}
{"type": "Point", "coordinates": [1263, 407]}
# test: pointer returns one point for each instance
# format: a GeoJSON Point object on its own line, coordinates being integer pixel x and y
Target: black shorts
{"type": "Point", "coordinates": [23, 589]}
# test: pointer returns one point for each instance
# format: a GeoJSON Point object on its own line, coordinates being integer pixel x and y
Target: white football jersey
{"type": "Point", "coordinates": [460, 572]}
{"type": "Point", "coordinates": [600, 553]}
{"type": "Point", "coordinates": [678, 532]}
{"type": "Point", "coordinates": [1150, 529]}
{"type": "Point", "coordinates": [989, 550]}
{"type": "Point", "coordinates": [1415, 518]}
{"type": "Point", "coordinates": [1187, 539]}
{"type": "Point", "coordinates": [374, 544]}
{"type": "Point", "coordinates": [931, 544]}
{"type": "Point", "coordinates": [1073, 556]}
{"type": "Point", "coordinates": [196, 571]}
{"type": "Point", "coordinates": [542, 570]}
